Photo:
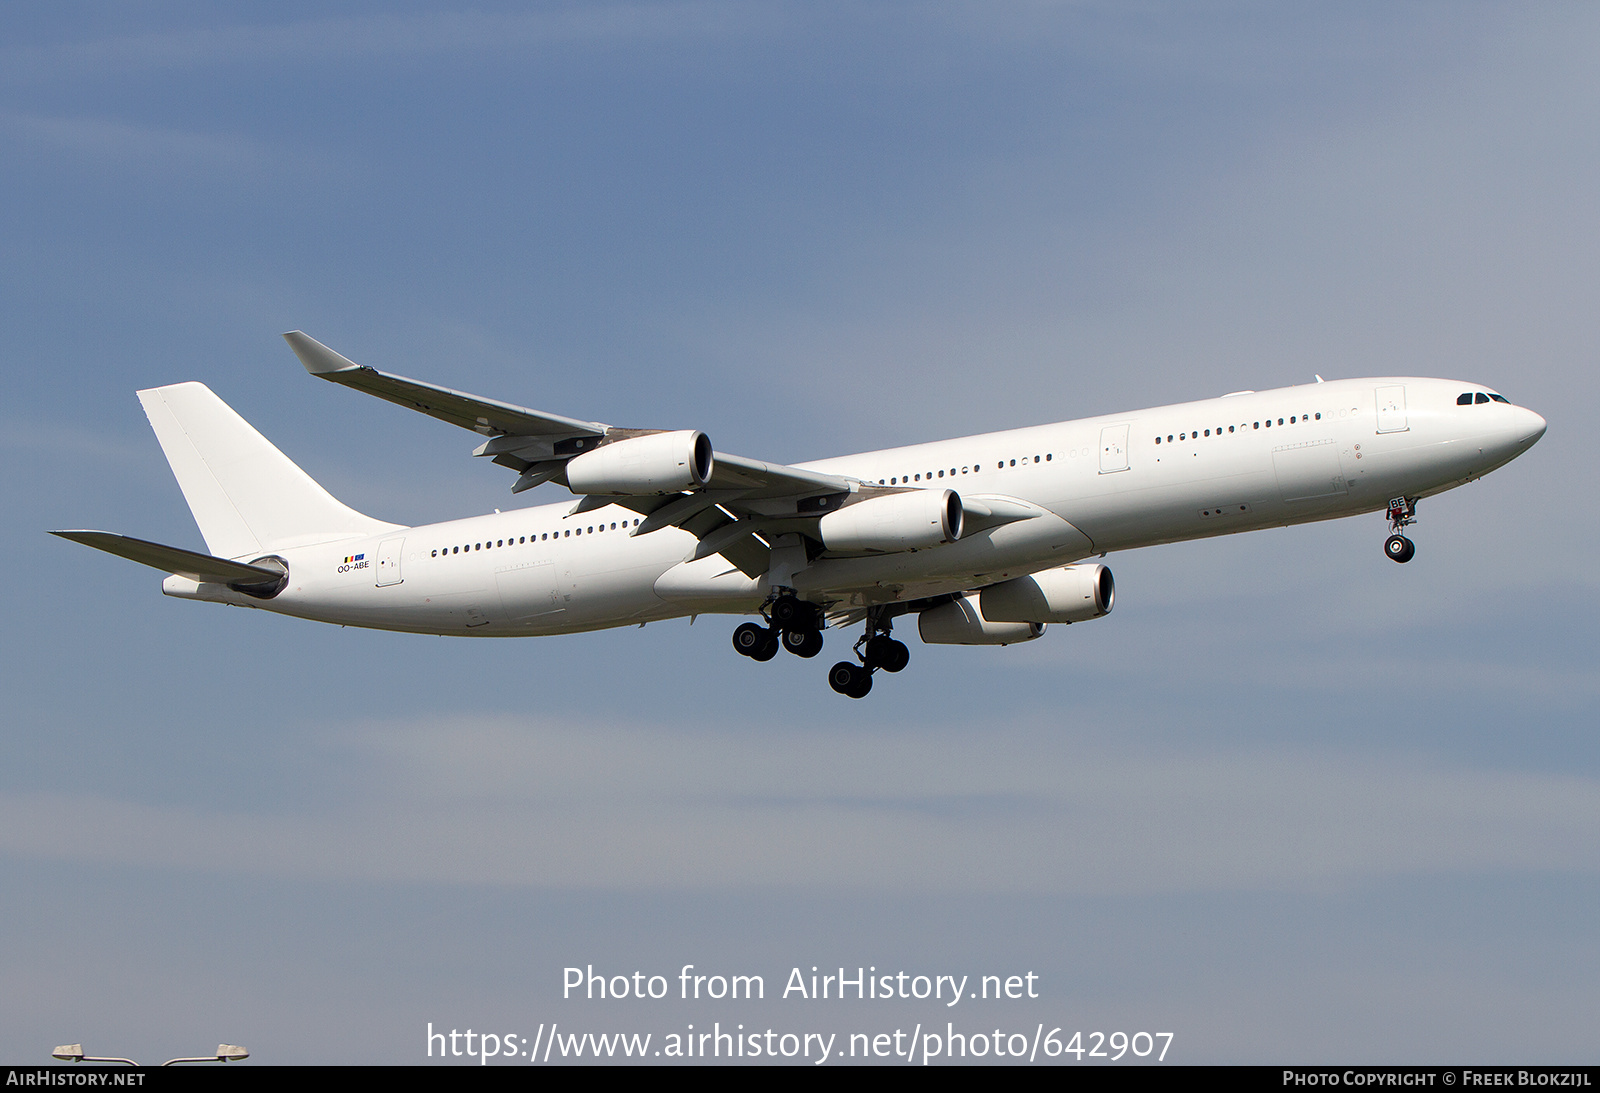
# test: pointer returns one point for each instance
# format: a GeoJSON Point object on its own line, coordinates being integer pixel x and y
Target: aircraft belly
{"type": "Point", "coordinates": [1021, 547]}
{"type": "Point", "coordinates": [710, 585]}
{"type": "Point", "coordinates": [609, 585]}
{"type": "Point", "coordinates": [1415, 462]}
{"type": "Point", "coordinates": [1308, 470]}
{"type": "Point", "coordinates": [529, 590]}
{"type": "Point", "coordinates": [1164, 511]}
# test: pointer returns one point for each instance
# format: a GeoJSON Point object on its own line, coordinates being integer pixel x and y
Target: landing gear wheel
{"type": "Point", "coordinates": [803, 643]}
{"type": "Point", "coordinates": [850, 680]}
{"type": "Point", "coordinates": [791, 614]}
{"type": "Point", "coordinates": [884, 652]}
{"type": "Point", "coordinates": [749, 638]}
{"type": "Point", "coordinates": [755, 642]}
{"type": "Point", "coordinates": [1399, 548]}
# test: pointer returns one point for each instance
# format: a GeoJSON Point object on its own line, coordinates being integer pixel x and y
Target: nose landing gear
{"type": "Point", "coordinates": [1402, 514]}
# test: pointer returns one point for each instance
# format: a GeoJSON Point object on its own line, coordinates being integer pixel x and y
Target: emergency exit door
{"type": "Point", "coordinates": [1113, 448]}
{"type": "Point", "coordinates": [388, 571]}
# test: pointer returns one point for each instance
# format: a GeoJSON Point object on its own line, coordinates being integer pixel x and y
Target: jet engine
{"type": "Point", "coordinates": [914, 520]}
{"type": "Point", "coordinates": [1074, 593]}
{"type": "Point", "coordinates": [961, 622]}
{"type": "Point", "coordinates": [657, 463]}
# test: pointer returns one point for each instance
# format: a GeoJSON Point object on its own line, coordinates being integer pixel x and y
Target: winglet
{"type": "Point", "coordinates": [318, 358]}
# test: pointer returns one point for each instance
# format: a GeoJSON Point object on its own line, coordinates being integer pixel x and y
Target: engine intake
{"type": "Point", "coordinates": [658, 463]}
{"type": "Point", "coordinates": [1074, 593]}
{"type": "Point", "coordinates": [914, 520]}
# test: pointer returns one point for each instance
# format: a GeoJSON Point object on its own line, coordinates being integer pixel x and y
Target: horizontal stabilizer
{"type": "Point", "coordinates": [169, 559]}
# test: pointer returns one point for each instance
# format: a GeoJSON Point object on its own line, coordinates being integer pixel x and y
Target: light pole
{"type": "Point", "coordinates": [73, 1053]}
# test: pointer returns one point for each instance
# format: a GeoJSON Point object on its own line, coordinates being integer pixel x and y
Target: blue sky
{"type": "Point", "coordinates": [1290, 801]}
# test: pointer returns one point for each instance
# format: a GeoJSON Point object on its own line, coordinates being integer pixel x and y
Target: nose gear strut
{"type": "Point", "coordinates": [1402, 514]}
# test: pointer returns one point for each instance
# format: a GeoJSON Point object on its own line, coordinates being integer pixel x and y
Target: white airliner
{"type": "Point", "coordinates": [984, 538]}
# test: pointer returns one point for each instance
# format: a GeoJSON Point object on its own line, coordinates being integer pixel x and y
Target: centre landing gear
{"type": "Point", "coordinates": [1402, 513]}
{"type": "Point", "coordinates": [795, 625]}
{"type": "Point", "coordinates": [803, 643]}
{"type": "Point", "coordinates": [755, 642]}
{"type": "Point", "coordinates": [876, 649]}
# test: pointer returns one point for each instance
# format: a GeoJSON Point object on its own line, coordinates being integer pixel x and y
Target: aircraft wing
{"type": "Point", "coordinates": [481, 415]}
{"type": "Point", "coordinates": [760, 498]}
{"type": "Point", "coordinates": [757, 479]}
{"type": "Point", "coordinates": [520, 437]}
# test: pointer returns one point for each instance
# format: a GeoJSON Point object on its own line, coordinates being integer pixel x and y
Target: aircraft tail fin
{"type": "Point", "coordinates": [246, 495]}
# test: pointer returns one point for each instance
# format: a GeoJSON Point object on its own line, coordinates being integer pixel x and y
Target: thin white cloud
{"type": "Point", "coordinates": [379, 36]}
{"type": "Point", "coordinates": [501, 802]}
{"type": "Point", "coordinates": [127, 143]}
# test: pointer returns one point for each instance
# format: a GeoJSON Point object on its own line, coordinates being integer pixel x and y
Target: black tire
{"type": "Point", "coordinates": [851, 680]}
{"type": "Point", "coordinates": [901, 657]}
{"type": "Point", "coordinates": [884, 652]}
{"type": "Point", "coordinates": [789, 613]}
{"type": "Point", "coordinates": [803, 643]}
{"type": "Point", "coordinates": [769, 648]}
{"type": "Point", "coordinates": [1399, 548]}
{"type": "Point", "coordinates": [749, 638]}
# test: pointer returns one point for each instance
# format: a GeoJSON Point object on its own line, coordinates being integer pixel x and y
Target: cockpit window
{"type": "Point", "coordinates": [1481, 398]}
{"type": "Point", "coordinates": [1500, 398]}
{"type": "Point", "coordinates": [1464, 399]}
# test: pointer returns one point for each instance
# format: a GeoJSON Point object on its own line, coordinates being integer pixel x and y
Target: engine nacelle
{"type": "Point", "coordinates": [961, 622]}
{"type": "Point", "coordinates": [658, 463]}
{"type": "Point", "coordinates": [914, 520]}
{"type": "Point", "coordinates": [1074, 593]}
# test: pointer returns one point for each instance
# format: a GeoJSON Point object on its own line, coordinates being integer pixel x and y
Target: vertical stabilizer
{"type": "Point", "coordinates": [247, 496]}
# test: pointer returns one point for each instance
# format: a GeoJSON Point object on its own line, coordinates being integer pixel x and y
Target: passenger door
{"type": "Point", "coordinates": [1392, 409]}
{"type": "Point", "coordinates": [388, 571]}
{"type": "Point", "coordinates": [1113, 449]}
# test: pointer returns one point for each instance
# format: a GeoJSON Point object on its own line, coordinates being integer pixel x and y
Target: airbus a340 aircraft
{"type": "Point", "coordinates": [983, 538]}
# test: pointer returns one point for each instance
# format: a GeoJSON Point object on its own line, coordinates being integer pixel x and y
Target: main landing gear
{"type": "Point", "coordinates": [1402, 513]}
{"type": "Point", "coordinates": [875, 649]}
{"type": "Point", "coordinates": [796, 625]}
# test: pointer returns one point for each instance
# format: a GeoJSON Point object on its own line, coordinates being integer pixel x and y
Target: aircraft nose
{"type": "Point", "coordinates": [1530, 427]}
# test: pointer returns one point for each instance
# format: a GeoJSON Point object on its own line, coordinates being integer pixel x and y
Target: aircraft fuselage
{"type": "Point", "coordinates": [1108, 483]}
